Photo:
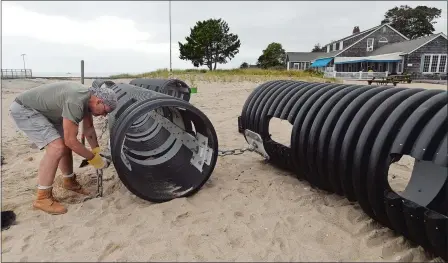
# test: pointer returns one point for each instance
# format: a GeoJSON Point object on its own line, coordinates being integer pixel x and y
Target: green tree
{"type": "Point", "coordinates": [316, 48]}
{"type": "Point", "coordinates": [244, 65]}
{"type": "Point", "coordinates": [210, 43]}
{"type": "Point", "coordinates": [273, 56]}
{"type": "Point", "coordinates": [412, 22]}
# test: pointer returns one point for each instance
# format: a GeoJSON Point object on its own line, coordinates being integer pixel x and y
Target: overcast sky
{"type": "Point", "coordinates": [134, 36]}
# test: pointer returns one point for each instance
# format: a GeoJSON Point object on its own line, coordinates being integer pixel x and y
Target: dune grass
{"type": "Point", "coordinates": [230, 75]}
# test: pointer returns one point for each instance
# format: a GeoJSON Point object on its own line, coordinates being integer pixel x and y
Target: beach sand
{"type": "Point", "coordinates": [247, 211]}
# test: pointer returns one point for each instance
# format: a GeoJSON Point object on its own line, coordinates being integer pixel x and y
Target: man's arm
{"type": "Point", "coordinates": [89, 131]}
{"type": "Point", "coordinates": [71, 140]}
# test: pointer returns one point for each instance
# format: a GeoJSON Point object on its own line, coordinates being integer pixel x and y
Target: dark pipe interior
{"type": "Point", "coordinates": [157, 153]}
{"type": "Point", "coordinates": [162, 147]}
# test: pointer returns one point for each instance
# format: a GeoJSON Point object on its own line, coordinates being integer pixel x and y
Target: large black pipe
{"type": "Point", "coordinates": [162, 147]}
{"type": "Point", "coordinates": [173, 87]}
{"type": "Point", "coordinates": [344, 139]}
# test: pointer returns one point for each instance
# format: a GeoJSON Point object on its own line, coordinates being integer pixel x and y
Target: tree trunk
{"type": "Point", "coordinates": [218, 48]}
{"type": "Point", "coordinates": [208, 60]}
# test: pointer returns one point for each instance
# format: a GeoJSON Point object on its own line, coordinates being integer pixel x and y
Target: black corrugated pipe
{"type": "Point", "coordinates": [173, 87]}
{"type": "Point", "coordinates": [162, 147]}
{"type": "Point", "coordinates": [345, 137]}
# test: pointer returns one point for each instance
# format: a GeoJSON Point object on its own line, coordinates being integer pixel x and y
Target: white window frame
{"type": "Point", "coordinates": [370, 47]}
{"type": "Point", "coordinates": [328, 48]}
{"type": "Point", "coordinates": [400, 67]}
{"type": "Point", "coordinates": [432, 57]}
{"type": "Point", "coordinates": [334, 46]}
{"type": "Point", "coordinates": [383, 40]}
{"type": "Point", "coordinates": [341, 45]}
{"type": "Point", "coordinates": [301, 65]}
{"type": "Point", "coordinates": [440, 60]}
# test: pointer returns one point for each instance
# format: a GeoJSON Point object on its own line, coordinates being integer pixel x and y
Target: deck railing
{"type": "Point", "coordinates": [355, 75]}
{"type": "Point", "coordinates": [17, 73]}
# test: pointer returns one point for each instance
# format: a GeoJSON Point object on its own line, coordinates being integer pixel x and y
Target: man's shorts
{"type": "Point", "coordinates": [36, 126]}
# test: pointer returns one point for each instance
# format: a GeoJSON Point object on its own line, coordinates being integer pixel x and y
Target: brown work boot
{"type": "Point", "coordinates": [46, 202]}
{"type": "Point", "coordinates": [71, 184]}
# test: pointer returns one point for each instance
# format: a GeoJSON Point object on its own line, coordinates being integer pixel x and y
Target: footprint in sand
{"type": "Point", "coordinates": [238, 214]}
{"type": "Point", "coordinates": [180, 219]}
{"type": "Point", "coordinates": [27, 243]}
{"type": "Point", "coordinates": [377, 237]}
{"type": "Point", "coordinates": [110, 248]}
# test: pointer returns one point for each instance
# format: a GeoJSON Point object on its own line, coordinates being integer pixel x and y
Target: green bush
{"type": "Point", "coordinates": [232, 75]}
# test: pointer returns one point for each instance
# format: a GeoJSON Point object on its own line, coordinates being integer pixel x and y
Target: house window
{"type": "Point", "coordinates": [383, 40]}
{"type": "Point", "coordinates": [370, 44]}
{"type": "Point", "coordinates": [435, 63]}
{"type": "Point", "coordinates": [426, 62]}
{"type": "Point", "coordinates": [334, 46]}
{"type": "Point", "coordinates": [384, 29]}
{"type": "Point", "coordinates": [341, 45]}
{"type": "Point", "coordinates": [301, 65]}
{"type": "Point", "coordinates": [442, 63]}
{"type": "Point", "coordinates": [328, 48]}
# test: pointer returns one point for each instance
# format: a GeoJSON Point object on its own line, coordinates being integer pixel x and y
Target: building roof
{"type": "Point", "coordinates": [354, 35]}
{"type": "Point", "coordinates": [407, 46]}
{"type": "Point", "coordinates": [368, 34]}
{"type": "Point", "coordinates": [308, 56]}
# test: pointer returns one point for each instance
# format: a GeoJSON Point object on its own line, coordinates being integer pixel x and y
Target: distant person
{"type": "Point", "coordinates": [49, 115]}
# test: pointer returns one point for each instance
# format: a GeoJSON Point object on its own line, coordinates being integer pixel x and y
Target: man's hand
{"type": "Point", "coordinates": [85, 162]}
{"type": "Point", "coordinates": [96, 150]}
{"type": "Point", "coordinates": [99, 162]}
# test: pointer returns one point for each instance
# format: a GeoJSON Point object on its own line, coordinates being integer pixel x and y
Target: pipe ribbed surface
{"type": "Point", "coordinates": [344, 138]}
{"type": "Point", "coordinates": [173, 87]}
{"type": "Point", "coordinates": [162, 147]}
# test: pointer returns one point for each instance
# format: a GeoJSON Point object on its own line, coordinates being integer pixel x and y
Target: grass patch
{"type": "Point", "coordinates": [231, 75]}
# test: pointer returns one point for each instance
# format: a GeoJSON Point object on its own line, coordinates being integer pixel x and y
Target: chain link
{"type": "Point", "coordinates": [236, 151]}
{"type": "Point", "coordinates": [103, 129]}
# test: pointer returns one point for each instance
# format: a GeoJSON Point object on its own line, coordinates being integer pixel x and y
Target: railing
{"type": "Point", "coordinates": [17, 73]}
{"type": "Point", "coordinates": [355, 75]}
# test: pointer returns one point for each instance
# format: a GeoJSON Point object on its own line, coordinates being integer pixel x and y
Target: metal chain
{"type": "Point", "coordinates": [103, 130]}
{"type": "Point", "coordinates": [236, 151]}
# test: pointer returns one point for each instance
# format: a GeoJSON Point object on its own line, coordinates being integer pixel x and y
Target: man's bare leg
{"type": "Point", "coordinates": [47, 171]}
{"type": "Point", "coordinates": [49, 163]}
{"type": "Point", "coordinates": [66, 167]}
{"type": "Point", "coordinates": [66, 162]}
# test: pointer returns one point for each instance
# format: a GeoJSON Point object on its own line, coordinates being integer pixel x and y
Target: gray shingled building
{"type": "Point", "coordinates": [378, 49]}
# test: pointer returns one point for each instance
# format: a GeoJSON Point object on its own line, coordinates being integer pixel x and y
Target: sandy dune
{"type": "Point", "coordinates": [248, 211]}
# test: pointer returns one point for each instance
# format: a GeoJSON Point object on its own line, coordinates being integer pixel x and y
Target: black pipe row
{"type": "Point", "coordinates": [173, 87]}
{"type": "Point", "coordinates": [344, 138]}
{"type": "Point", "coordinates": [162, 147]}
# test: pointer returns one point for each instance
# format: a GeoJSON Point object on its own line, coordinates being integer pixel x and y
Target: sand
{"type": "Point", "coordinates": [247, 211]}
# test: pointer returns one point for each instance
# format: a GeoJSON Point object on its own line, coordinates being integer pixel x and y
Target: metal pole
{"type": "Point", "coordinates": [82, 71]}
{"type": "Point", "coordinates": [83, 138]}
{"type": "Point", "coordinates": [171, 65]}
{"type": "Point", "coordinates": [24, 67]}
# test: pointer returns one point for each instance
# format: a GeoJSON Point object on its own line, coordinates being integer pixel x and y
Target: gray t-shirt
{"type": "Point", "coordinates": [58, 100]}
